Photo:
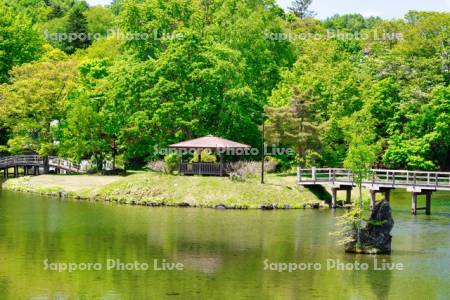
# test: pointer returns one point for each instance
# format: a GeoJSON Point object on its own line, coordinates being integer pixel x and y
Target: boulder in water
{"type": "Point", "coordinates": [375, 238]}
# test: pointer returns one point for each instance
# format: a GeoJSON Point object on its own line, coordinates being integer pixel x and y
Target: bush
{"type": "Point", "coordinates": [207, 156]}
{"type": "Point", "coordinates": [236, 177]}
{"type": "Point", "coordinates": [115, 172]}
{"type": "Point", "coordinates": [171, 163]}
{"type": "Point", "coordinates": [156, 166]}
{"type": "Point", "coordinates": [245, 168]}
{"type": "Point", "coordinates": [271, 164]}
{"type": "Point", "coordinates": [92, 171]}
{"type": "Point", "coordinates": [253, 168]}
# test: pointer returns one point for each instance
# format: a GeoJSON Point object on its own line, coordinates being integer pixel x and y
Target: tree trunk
{"type": "Point", "coordinates": [359, 217]}
{"type": "Point", "coordinates": [99, 163]}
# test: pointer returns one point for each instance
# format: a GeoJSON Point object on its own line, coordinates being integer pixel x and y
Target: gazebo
{"type": "Point", "coordinates": [216, 145]}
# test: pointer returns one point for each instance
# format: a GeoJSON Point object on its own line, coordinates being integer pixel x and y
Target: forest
{"type": "Point", "coordinates": [92, 82]}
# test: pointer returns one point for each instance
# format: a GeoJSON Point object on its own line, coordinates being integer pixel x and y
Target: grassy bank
{"type": "Point", "coordinates": [153, 189]}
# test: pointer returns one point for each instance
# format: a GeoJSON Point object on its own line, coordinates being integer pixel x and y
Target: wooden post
{"type": "Point", "coordinates": [428, 203]}
{"type": "Point", "coordinates": [348, 198]}
{"type": "Point", "coordinates": [5, 172]}
{"type": "Point", "coordinates": [181, 162]}
{"type": "Point", "coordinates": [333, 197]}
{"type": "Point", "coordinates": [414, 203]}
{"type": "Point", "coordinates": [16, 171]}
{"type": "Point", "coordinates": [46, 166]}
{"type": "Point", "coordinates": [372, 199]}
{"type": "Point", "coordinates": [221, 165]}
{"type": "Point", "coordinates": [25, 170]}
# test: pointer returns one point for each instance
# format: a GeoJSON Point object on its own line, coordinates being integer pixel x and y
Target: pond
{"type": "Point", "coordinates": [126, 252]}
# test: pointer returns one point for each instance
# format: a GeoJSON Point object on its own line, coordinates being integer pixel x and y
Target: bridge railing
{"type": "Point", "coordinates": [63, 163]}
{"type": "Point", "coordinates": [20, 160]}
{"type": "Point", "coordinates": [36, 160]}
{"type": "Point", "coordinates": [377, 176]}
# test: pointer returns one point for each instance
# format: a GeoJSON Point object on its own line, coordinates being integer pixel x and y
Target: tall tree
{"type": "Point", "coordinates": [301, 8]}
{"type": "Point", "coordinates": [77, 28]}
{"type": "Point", "coordinates": [92, 136]}
{"type": "Point", "coordinates": [293, 125]}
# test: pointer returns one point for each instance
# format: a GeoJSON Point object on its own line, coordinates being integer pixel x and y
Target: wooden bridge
{"type": "Point", "coordinates": [380, 181]}
{"type": "Point", "coordinates": [35, 165]}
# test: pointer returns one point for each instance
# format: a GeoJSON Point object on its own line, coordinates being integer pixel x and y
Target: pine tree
{"type": "Point", "coordinates": [294, 126]}
{"type": "Point", "coordinates": [77, 27]}
{"type": "Point", "coordinates": [300, 8]}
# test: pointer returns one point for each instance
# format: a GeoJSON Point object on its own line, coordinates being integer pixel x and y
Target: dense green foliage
{"type": "Point", "coordinates": [181, 69]}
{"type": "Point", "coordinates": [35, 102]}
{"type": "Point", "coordinates": [19, 43]}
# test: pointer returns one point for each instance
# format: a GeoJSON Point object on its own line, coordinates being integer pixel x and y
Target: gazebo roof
{"type": "Point", "coordinates": [209, 142]}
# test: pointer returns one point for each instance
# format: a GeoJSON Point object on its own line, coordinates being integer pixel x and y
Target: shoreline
{"type": "Point", "coordinates": [63, 195]}
{"type": "Point", "coordinates": [153, 190]}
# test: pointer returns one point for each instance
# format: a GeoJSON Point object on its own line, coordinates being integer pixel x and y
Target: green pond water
{"type": "Point", "coordinates": [223, 253]}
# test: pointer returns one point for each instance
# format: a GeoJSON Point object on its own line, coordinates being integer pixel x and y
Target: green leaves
{"type": "Point", "coordinates": [211, 66]}
{"type": "Point", "coordinates": [424, 144]}
{"type": "Point", "coordinates": [19, 42]}
{"type": "Point", "coordinates": [35, 102]}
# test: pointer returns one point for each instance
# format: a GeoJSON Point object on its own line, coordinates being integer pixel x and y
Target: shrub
{"type": "Point", "coordinates": [253, 168]}
{"type": "Point", "coordinates": [171, 162]}
{"type": "Point", "coordinates": [206, 156]}
{"type": "Point", "coordinates": [245, 168]}
{"type": "Point", "coordinates": [156, 166]}
{"type": "Point", "coordinates": [271, 164]}
{"type": "Point", "coordinates": [236, 177]}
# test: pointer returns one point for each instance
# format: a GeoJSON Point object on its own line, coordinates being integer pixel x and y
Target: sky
{"type": "Point", "coordinates": [387, 9]}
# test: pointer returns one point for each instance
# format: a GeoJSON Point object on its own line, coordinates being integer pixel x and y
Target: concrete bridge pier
{"type": "Point", "coordinates": [348, 195]}
{"type": "Point", "coordinates": [427, 207]}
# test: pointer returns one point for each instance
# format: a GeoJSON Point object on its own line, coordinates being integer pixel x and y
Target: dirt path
{"type": "Point", "coordinates": [73, 183]}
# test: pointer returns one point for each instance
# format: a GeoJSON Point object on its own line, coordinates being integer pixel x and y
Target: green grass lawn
{"type": "Point", "coordinates": [148, 188]}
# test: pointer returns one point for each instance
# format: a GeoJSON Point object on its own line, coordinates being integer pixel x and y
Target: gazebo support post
{"type": "Point", "coordinates": [199, 151]}
{"type": "Point", "coordinates": [221, 164]}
